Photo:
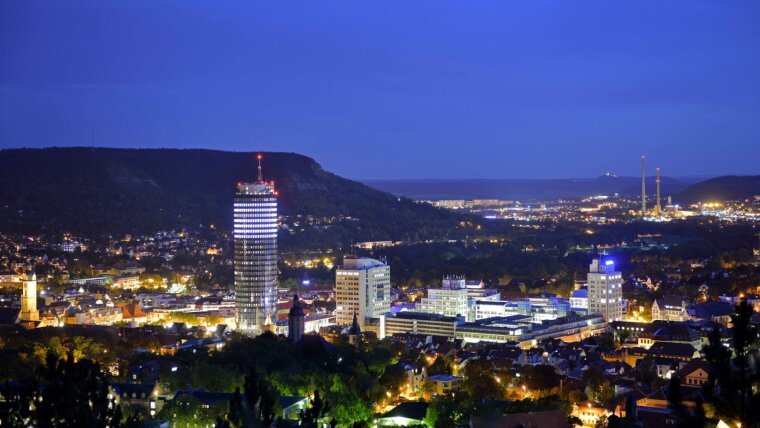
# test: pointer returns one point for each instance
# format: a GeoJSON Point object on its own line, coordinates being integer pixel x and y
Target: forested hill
{"type": "Point", "coordinates": [727, 188]}
{"type": "Point", "coordinates": [103, 190]}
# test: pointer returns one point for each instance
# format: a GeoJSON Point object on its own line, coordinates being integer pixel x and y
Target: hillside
{"type": "Point", "coordinates": [522, 189]}
{"type": "Point", "coordinates": [727, 188]}
{"type": "Point", "coordinates": [103, 190]}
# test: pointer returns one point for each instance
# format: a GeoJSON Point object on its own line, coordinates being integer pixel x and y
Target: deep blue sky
{"type": "Point", "coordinates": [395, 89]}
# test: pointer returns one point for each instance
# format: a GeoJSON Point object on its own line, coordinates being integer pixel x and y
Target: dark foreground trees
{"type": "Point", "coordinates": [64, 393]}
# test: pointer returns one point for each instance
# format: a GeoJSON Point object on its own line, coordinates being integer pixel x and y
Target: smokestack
{"type": "Point", "coordinates": [658, 207]}
{"type": "Point", "coordinates": [643, 188]}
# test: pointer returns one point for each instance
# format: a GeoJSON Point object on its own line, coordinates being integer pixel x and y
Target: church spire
{"type": "Point", "coordinates": [355, 328]}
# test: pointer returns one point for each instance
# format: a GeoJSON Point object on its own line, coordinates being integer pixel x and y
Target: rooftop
{"type": "Point", "coordinates": [361, 263]}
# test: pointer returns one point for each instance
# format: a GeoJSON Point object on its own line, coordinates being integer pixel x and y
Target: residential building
{"type": "Point", "coordinates": [444, 383]}
{"type": "Point", "coordinates": [670, 308]}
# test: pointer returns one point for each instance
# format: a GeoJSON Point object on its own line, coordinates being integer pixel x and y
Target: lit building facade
{"type": "Point", "coordinates": [255, 232]}
{"type": "Point", "coordinates": [29, 310]}
{"type": "Point", "coordinates": [362, 287]}
{"type": "Point", "coordinates": [450, 300]}
{"type": "Point", "coordinates": [605, 290]}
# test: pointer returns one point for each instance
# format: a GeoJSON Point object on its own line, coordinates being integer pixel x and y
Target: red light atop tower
{"type": "Point", "coordinates": [259, 156]}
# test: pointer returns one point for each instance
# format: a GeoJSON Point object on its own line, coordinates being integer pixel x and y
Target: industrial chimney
{"type": "Point", "coordinates": [643, 188]}
{"type": "Point", "coordinates": [658, 208]}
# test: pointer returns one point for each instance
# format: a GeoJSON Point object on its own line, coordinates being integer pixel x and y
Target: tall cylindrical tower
{"type": "Point", "coordinates": [255, 235]}
{"type": "Point", "coordinates": [658, 207]}
{"type": "Point", "coordinates": [643, 187]}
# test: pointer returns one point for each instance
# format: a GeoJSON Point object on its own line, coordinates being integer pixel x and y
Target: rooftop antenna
{"type": "Point", "coordinates": [260, 174]}
{"type": "Point", "coordinates": [643, 188]}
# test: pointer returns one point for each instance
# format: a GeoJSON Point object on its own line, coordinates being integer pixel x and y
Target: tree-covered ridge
{"type": "Point", "coordinates": [94, 190]}
{"type": "Point", "coordinates": [728, 188]}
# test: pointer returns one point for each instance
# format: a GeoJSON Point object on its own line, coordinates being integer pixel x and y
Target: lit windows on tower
{"type": "Point", "coordinates": [255, 236]}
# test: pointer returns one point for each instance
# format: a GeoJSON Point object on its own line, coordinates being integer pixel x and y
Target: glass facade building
{"type": "Point", "coordinates": [255, 233]}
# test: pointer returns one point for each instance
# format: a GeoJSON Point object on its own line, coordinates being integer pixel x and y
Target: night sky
{"type": "Point", "coordinates": [395, 89]}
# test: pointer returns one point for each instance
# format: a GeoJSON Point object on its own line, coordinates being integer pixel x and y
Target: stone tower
{"type": "Point", "coordinates": [295, 320]}
{"type": "Point", "coordinates": [29, 310]}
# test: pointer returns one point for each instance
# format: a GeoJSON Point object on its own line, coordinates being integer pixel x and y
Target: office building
{"type": "Point", "coordinates": [456, 297]}
{"type": "Point", "coordinates": [255, 233]}
{"type": "Point", "coordinates": [605, 290]}
{"type": "Point", "coordinates": [419, 323]}
{"type": "Point", "coordinates": [539, 308]}
{"type": "Point", "coordinates": [579, 300]}
{"type": "Point", "coordinates": [363, 288]}
{"type": "Point", "coordinates": [450, 300]}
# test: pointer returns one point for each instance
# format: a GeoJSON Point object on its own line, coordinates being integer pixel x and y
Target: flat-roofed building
{"type": "Point", "coordinates": [497, 329]}
{"type": "Point", "coordinates": [419, 323]}
{"type": "Point", "coordinates": [605, 290]}
{"type": "Point", "coordinates": [449, 300]}
{"type": "Point", "coordinates": [362, 287]}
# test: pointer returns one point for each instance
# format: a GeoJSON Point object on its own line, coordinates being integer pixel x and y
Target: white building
{"type": "Point", "coordinates": [579, 299]}
{"type": "Point", "coordinates": [456, 297]}
{"type": "Point", "coordinates": [450, 300]}
{"type": "Point", "coordinates": [362, 286]}
{"type": "Point", "coordinates": [605, 290]}
{"type": "Point", "coordinates": [540, 309]}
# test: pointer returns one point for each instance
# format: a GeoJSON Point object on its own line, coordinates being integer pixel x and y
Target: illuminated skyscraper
{"type": "Point", "coordinates": [255, 221]}
{"type": "Point", "coordinates": [605, 290]}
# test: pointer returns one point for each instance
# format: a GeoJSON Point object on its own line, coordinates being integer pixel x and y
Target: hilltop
{"type": "Point", "coordinates": [726, 188]}
{"type": "Point", "coordinates": [104, 190]}
{"type": "Point", "coordinates": [524, 189]}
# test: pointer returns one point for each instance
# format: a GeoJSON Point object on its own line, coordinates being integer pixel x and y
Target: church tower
{"type": "Point", "coordinates": [355, 331]}
{"type": "Point", "coordinates": [29, 310]}
{"type": "Point", "coordinates": [295, 320]}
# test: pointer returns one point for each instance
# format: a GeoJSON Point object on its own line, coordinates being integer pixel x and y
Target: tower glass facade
{"type": "Point", "coordinates": [255, 233]}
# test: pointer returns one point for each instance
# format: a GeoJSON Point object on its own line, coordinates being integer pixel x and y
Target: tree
{"type": "Point", "coordinates": [480, 382]}
{"type": "Point", "coordinates": [63, 393]}
{"type": "Point", "coordinates": [187, 411]}
{"type": "Point", "coordinates": [631, 411]}
{"type": "Point", "coordinates": [744, 335]}
{"type": "Point", "coordinates": [540, 377]}
{"type": "Point", "coordinates": [441, 413]}
{"type": "Point", "coordinates": [261, 398]}
{"type": "Point", "coordinates": [393, 379]}
{"type": "Point", "coordinates": [441, 365]}
{"type": "Point", "coordinates": [309, 418]}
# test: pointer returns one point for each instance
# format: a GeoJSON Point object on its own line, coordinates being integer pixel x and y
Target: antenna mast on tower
{"type": "Point", "coordinates": [260, 174]}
